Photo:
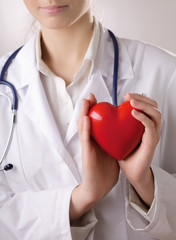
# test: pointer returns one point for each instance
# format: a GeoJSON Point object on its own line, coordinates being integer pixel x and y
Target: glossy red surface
{"type": "Point", "coordinates": [115, 129]}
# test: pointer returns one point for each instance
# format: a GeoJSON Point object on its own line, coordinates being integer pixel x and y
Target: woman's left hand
{"type": "Point", "coordinates": [136, 166]}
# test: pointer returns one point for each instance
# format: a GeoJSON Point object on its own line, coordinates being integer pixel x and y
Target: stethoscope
{"type": "Point", "coordinates": [14, 101]}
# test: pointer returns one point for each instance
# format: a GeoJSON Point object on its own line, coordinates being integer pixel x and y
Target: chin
{"type": "Point", "coordinates": [56, 24]}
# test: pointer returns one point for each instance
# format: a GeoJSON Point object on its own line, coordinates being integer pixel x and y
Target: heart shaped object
{"type": "Point", "coordinates": [115, 129]}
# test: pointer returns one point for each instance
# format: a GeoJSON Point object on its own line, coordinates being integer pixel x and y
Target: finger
{"type": "Point", "coordinates": [84, 111]}
{"type": "Point", "coordinates": [142, 98]}
{"type": "Point", "coordinates": [86, 105]}
{"type": "Point", "coordinates": [152, 128]}
{"type": "Point", "coordinates": [86, 130]}
{"type": "Point", "coordinates": [153, 113]}
{"type": "Point", "coordinates": [85, 138]}
{"type": "Point", "coordinates": [92, 100]}
{"type": "Point", "coordinates": [146, 121]}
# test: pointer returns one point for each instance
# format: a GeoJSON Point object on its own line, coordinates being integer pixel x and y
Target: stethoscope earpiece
{"type": "Point", "coordinates": [7, 167]}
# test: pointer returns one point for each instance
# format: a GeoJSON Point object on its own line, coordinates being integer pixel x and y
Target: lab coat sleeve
{"type": "Point", "coordinates": [160, 220]}
{"type": "Point", "coordinates": [34, 214]}
{"type": "Point", "coordinates": [84, 226]}
{"type": "Point", "coordinates": [136, 202]}
{"type": "Point", "coordinates": [40, 215]}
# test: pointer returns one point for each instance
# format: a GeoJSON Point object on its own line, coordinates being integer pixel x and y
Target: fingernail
{"type": "Point", "coordinates": [134, 102]}
{"type": "Point", "coordinates": [128, 96]}
{"type": "Point", "coordinates": [90, 94]}
{"type": "Point", "coordinates": [125, 95]}
{"type": "Point", "coordinates": [134, 112]}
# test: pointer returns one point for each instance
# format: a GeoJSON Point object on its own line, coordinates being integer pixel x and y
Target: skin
{"type": "Point", "coordinates": [62, 36]}
{"type": "Point", "coordinates": [136, 167]}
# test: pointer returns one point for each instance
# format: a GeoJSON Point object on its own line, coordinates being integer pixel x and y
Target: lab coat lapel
{"type": "Point", "coordinates": [33, 102]}
{"type": "Point", "coordinates": [97, 86]}
{"type": "Point", "coordinates": [29, 87]}
{"type": "Point", "coordinates": [37, 109]}
{"type": "Point", "coordinates": [100, 83]}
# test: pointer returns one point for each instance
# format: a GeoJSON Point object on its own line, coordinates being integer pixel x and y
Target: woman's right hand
{"type": "Point", "coordinates": [100, 171]}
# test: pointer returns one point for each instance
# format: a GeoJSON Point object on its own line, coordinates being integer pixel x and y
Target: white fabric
{"type": "Point", "coordinates": [57, 93]}
{"type": "Point", "coordinates": [35, 195]}
{"type": "Point", "coordinates": [139, 205]}
{"type": "Point", "coordinates": [63, 99]}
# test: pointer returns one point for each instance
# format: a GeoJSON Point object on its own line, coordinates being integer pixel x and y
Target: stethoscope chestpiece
{"type": "Point", "coordinates": [7, 167]}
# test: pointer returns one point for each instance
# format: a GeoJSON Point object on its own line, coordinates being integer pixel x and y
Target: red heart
{"type": "Point", "coordinates": [115, 129]}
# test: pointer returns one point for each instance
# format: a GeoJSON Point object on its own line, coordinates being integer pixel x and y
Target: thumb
{"type": "Point", "coordinates": [86, 138]}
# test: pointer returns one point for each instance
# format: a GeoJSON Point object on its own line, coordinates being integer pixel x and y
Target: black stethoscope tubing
{"type": "Point", "coordinates": [116, 67]}
{"type": "Point", "coordinates": [14, 105]}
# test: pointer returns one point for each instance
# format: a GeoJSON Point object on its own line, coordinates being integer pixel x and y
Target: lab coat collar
{"type": "Point", "coordinates": [35, 105]}
{"type": "Point", "coordinates": [26, 60]}
{"type": "Point", "coordinates": [19, 71]}
{"type": "Point", "coordinates": [102, 71]}
{"type": "Point", "coordinates": [89, 57]}
{"type": "Point", "coordinates": [105, 57]}
{"type": "Point", "coordinates": [97, 86]}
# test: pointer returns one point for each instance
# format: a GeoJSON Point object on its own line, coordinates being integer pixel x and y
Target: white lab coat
{"type": "Point", "coordinates": [35, 195]}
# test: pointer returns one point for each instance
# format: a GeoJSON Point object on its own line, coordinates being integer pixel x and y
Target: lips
{"type": "Point", "coordinates": [53, 9]}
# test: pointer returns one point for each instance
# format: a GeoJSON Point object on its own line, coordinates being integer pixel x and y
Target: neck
{"type": "Point", "coordinates": [62, 46]}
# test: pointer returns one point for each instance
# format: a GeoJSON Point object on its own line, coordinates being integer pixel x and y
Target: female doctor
{"type": "Point", "coordinates": [63, 186]}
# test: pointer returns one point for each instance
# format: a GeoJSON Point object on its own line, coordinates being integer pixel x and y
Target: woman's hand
{"type": "Point", "coordinates": [136, 166]}
{"type": "Point", "coordinates": [100, 172]}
